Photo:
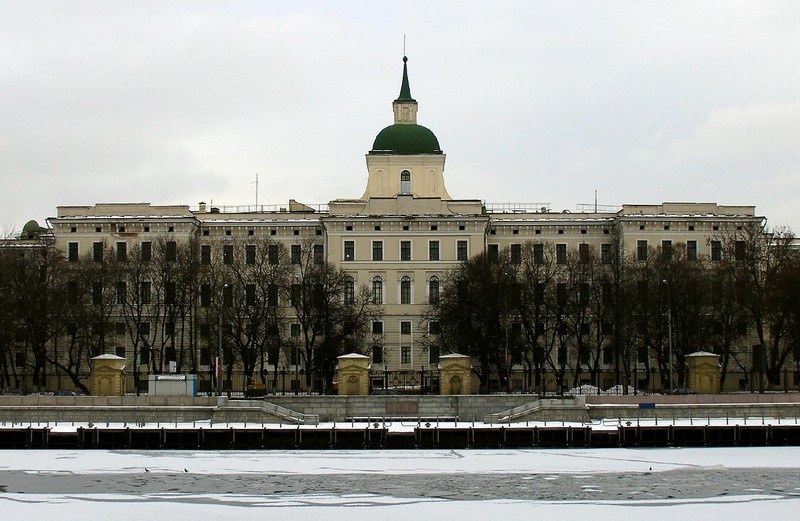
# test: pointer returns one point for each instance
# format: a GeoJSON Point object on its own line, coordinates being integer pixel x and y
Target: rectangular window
{"type": "Point", "coordinates": [561, 293]}
{"type": "Point", "coordinates": [434, 327]}
{"type": "Point", "coordinates": [272, 255]}
{"type": "Point", "coordinates": [641, 250]}
{"type": "Point", "coordinates": [205, 295]}
{"type": "Point", "coordinates": [169, 293]}
{"type": "Point", "coordinates": [227, 254]}
{"type": "Point", "coordinates": [433, 250]}
{"type": "Point", "coordinates": [405, 355]}
{"type": "Point", "coordinates": [122, 252]}
{"type": "Point", "coordinates": [119, 329]}
{"type": "Point", "coordinates": [295, 294]}
{"type": "Point", "coordinates": [319, 254]}
{"type": "Point", "coordinates": [583, 252]}
{"type": "Point", "coordinates": [250, 254]}
{"type": "Point", "coordinates": [739, 251]}
{"type": "Point", "coordinates": [494, 253]}
{"type": "Point", "coordinates": [405, 250]}
{"type": "Point", "coordinates": [538, 253]}
{"type": "Point", "coordinates": [561, 253]}
{"type": "Point", "coordinates": [205, 254]}
{"type": "Point", "coordinates": [97, 251]}
{"type": "Point", "coordinates": [272, 295]}
{"type": "Point", "coordinates": [349, 250]}
{"type": "Point", "coordinates": [377, 328]}
{"type": "Point", "coordinates": [144, 353]}
{"type": "Point", "coordinates": [462, 252]}
{"type": "Point", "coordinates": [434, 354]}
{"type": "Point", "coordinates": [145, 292]}
{"type": "Point", "coordinates": [605, 253]}
{"type": "Point", "coordinates": [250, 295]}
{"type": "Point", "coordinates": [294, 330]}
{"type": "Point", "coordinates": [147, 251]}
{"type": "Point", "coordinates": [72, 252]}
{"type": "Point", "coordinates": [716, 250]}
{"type": "Point", "coordinates": [171, 251]}
{"type": "Point", "coordinates": [377, 250]}
{"type": "Point", "coordinates": [122, 292]}
{"type": "Point", "coordinates": [405, 327]}
{"type": "Point", "coordinates": [377, 354]}
{"type": "Point", "coordinates": [227, 295]}
{"type": "Point", "coordinates": [296, 253]}
{"type": "Point", "coordinates": [666, 249]}
{"type": "Point", "coordinates": [516, 254]}
{"type": "Point", "coordinates": [691, 250]}
{"type": "Point", "coordinates": [72, 293]}
{"type": "Point", "coordinates": [97, 293]}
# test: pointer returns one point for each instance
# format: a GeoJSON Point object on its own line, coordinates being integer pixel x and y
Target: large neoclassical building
{"type": "Point", "coordinates": [400, 238]}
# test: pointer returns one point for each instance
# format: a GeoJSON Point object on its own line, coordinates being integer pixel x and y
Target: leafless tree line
{"type": "Point", "coordinates": [167, 300]}
{"type": "Point", "coordinates": [570, 314]}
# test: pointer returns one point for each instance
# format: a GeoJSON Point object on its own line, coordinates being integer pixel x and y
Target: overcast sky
{"type": "Point", "coordinates": [181, 102]}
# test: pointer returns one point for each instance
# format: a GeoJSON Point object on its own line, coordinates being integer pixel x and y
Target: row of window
{"type": "Point", "coordinates": [406, 290]}
{"type": "Point", "coordinates": [642, 250]}
{"type": "Point", "coordinates": [434, 254]}
{"type": "Point", "coordinates": [171, 253]}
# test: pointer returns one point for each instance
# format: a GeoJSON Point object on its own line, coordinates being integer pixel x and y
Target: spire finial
{"type": "Point", "coordinates": [405, 90]}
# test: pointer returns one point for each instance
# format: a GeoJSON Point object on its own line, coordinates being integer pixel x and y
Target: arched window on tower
{"type": "Point", "coordinates": [405, 182]}
{"type": "Point", "coordinates": [405, 290]}
{"type": "Point", "coordinates": [433, 290]}
{"type": "Point", "coordinates": [377, 290]}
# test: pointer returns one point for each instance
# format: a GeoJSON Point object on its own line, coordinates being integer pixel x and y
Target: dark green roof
{"type": "Point", "coordinates": [405, 90]}
{"type": "Point", "coordinates": [405, 140]}
{"type": "Point", "coordinates": [32, 226]}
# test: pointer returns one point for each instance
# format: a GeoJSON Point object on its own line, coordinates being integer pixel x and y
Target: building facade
{"type": "Point", "coordinates": [399, 240]}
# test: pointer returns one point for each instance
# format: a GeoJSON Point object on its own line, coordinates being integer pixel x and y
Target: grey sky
{"type": "Point", "coordinates": [178, 102]}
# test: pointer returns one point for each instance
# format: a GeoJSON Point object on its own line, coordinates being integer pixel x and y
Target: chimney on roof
{"type": "Point", "coordinates": [202, 207]}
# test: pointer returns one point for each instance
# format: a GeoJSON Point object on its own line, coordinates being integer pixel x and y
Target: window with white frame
{"type": "Point", "coordinates": [405, 182]}
{"type": "Point", "coordinates": [405, 250]}
{"type": "Point", "coordinates": [433, 250]}
{"type": "Point", "coordinates": [349, 250]}
{"type": "Point", "coordinates": [377, 290]}
{"type": "Point", "coordinates": [349, 290]}
{"type": "Point", "coordinates": [405, 290]}
{"type": "Point", "coordinates": [462, 252]}
{"type": "Point", "coordinates": [433, 290]}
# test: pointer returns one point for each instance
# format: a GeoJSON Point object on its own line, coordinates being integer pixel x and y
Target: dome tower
{"type": "Point", "coordinates": [406, 158]}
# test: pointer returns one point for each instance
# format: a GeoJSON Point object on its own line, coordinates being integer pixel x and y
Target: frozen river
{"type": "Point", "coordinates": [732, 483]}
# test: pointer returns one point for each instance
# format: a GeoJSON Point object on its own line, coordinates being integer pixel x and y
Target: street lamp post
{"type": "Point", "coordinates": [505, 330]}
{"type": "Point", "coordinates": [669, 333]}
{"type": "Point", "coordinates": [219, 347]}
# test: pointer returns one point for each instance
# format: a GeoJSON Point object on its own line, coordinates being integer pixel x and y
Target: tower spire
{"type": "Point", "coordinates": [405, 107]}
{"type": "Point", "coordinates": [405, 90]}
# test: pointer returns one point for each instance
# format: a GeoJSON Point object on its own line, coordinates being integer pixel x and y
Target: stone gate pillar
{"type": "Point", "coordinates": [107, 378]}
{"type": "Point", "coordinates": [353, 374]}
{"type": "Point", "coordinates": [704, 372]}
{"type": "Point", "coordinates": [455, 374]}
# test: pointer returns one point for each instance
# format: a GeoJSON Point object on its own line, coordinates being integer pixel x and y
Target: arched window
{"type": "Point", "coordinates": [405, 182]}
{"type": "Point", "coordinates": [349, 290]}
{"type": "Point", "coordinates": [405, 290]}
{"type": "Point", "coordinates": [433, 290]}
{"type": "Point", "coordinates": [377, 290]}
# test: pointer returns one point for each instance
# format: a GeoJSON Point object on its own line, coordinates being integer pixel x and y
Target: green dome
{"type": "Point", "coordinates": [406, 140]}
{"type": "Point", "coordinates": [31, 227]}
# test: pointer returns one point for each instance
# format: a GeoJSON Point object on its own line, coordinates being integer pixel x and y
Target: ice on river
{"type": "Point", "coordinates": [715, 483]}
